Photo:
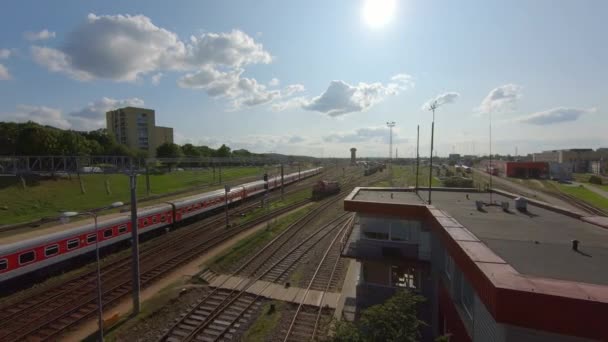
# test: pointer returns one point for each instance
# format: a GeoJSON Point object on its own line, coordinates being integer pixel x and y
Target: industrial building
{"type": "Point", "coordinates": [580, 159]}
{"type": "Point", "coordinates": [490, 271]}
{"type": "Point", "coordinates": [519, 169]}
{"type": "Point", "coordinates": [136, 128]}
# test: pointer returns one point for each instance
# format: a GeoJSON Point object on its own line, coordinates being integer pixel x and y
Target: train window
{"type": "Point", "coordinates": [73, 243]}
{"type": "Point", "coordinates": [107, 233]}
{"type": "Point", "coordinates": [154, 220]}
{"type": "Point", "coordinates": [163, 218]}
{"type": "Point", "coordinates": [3, 264]}
{"type": "Point", "coordinates": [122, 229]}
{"type": "Point", "coordinates": [91, 238]}
{"type": "Point", "coordinates": [26, 257]}
{"type": "Point", "coordinates": [51, 250]}
{"type": "Point", "coordinates": [144, 222]}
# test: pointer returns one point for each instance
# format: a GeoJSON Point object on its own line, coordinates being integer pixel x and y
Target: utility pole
{"type": "Point", "coordinates": [226, 191]}
{"type": "Point", "coordinates": [417, 155]}
{"type": "Point", "coordinates": [135, 244]}
{"type": "Point", "coordinates": [491, 167]}
{"type": "Point", "coordinates": [390, 125]}
{"type": "Point", "coordinates": [432, 107]}
{"type": "Point", "coordinates": [282, 184]}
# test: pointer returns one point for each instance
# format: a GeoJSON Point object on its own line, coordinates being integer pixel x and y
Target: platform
{"type": "Point", "coordinates": [277, 291]}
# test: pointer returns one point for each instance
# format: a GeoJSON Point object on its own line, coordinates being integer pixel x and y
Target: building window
{"type": "Point", "coordinates": [3, 264]}
{"type": "Point", "coordinates": [73, 243]}
{"type": "Point", "coordinates": [51, 250]}
{"type": "Point", "coordinates": [467, 297]}
{"type": "Point", "coordinates": [404, 277]}
{"type": "Point", "coordinates": [27, 257]}
{"type": "Point", "coordinates": [399, 233]}
{"type": "Point", "coordinates": [449, 265]}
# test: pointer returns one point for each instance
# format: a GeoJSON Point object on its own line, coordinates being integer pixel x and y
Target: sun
{"type": "Point", "coordinates": [378, 13]}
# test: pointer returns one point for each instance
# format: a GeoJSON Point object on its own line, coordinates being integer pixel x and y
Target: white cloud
{"type": "Point", "coordinates": [342, 98]}
{"type": "Point", "coordinates": [156, 78]}
{"type": "Point", "coordinates": [40, 35]}
{"type": "Point", "coordinates": [5, 53]}
{"type": "Point", "coordinates": [232, 49]}
{"type": "Point", "coordinates": [294, 102]}
{"type": "Point", "coordinates": [555, 115]}
{"type": "Point", "coordinates": [293, 89]}
{"type": "Point", "coordinates": [4, 74]}
{"type": "Point", "coordinates": [92, 116]}
{"type": "Point", "coordinates": [124, 47]}
{"type": "Point", "coordinates": [40, 114]}
{"type": "Point", "coordinates": [57, 61]}
{"type": "Point", "coordinates": [441, 99]}
{"type": "Point", "coordinates": [501, 99]}
{"type": "Point", "coordinates": [378, 134]}
{"type": "Point", "coordinates": [274, 82]}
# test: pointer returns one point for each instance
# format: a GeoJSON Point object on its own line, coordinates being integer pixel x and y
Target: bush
{"type": "Point", "coordinates": [595, 180]}
{"type": "Point", "coordinates": [458, 182]}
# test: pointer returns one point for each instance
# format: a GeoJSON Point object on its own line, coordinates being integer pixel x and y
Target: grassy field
{"type": "Point", "coordinates": [585, 195]}
{"type": "Point", "coordinates": [584, 178]}
{"type": "Point", "coordinates": [406, 176]}
{"type": "Point", "coordinates": [42, 198]}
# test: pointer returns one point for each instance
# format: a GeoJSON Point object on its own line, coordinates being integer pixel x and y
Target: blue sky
{"type": "Point", "coordinates": [314, 77]}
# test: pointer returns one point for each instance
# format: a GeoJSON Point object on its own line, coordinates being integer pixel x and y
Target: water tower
{"type": "Point", "coordinates": [353, 156]}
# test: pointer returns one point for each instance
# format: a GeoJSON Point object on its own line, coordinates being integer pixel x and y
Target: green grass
{"type": "Point", "coordinates": [262, 329]}
{"type": "Point", "coordinates": [289, 199]}
{"type": "Point", "coordinates": [585, 195]}
{"type": "Point", "coordinates": [584, 178]}
{"type": "Point", "coordinates": [47, 197]}
{"type": "Point", "coordinates": [406, 176]}
{"type": "Point", "coordinates": [245, 247]}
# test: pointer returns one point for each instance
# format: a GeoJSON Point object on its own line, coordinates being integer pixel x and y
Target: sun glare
{"type": "Point", "coordinates": [378, 13]}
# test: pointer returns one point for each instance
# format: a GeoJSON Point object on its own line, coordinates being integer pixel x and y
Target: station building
{"type": "Point", "coordinates": [489, 271]}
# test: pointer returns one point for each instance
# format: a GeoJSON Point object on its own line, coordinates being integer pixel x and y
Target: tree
{"type": "Point", "coordinates": [169, 150]}
{"type": "Point", "coordinates": [190, 150]}
{"type": "Point", "coordinates": [34, 139]}
{"type": "Point", "coordinates": [394, 320]}
{"type": "Point", "coordinates": [223, 151]}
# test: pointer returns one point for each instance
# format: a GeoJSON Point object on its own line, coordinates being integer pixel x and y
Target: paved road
{"type": "Point", "coordinates": [502, 183]}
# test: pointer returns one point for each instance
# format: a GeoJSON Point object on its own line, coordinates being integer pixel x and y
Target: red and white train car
{"type": "Point", "coordinates": [29, 255]}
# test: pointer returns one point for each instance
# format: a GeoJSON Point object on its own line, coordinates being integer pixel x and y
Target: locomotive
{"type": "Point", "coordinates": [30, 255]}
{"type": "Point", "coordinates": [324, 188]}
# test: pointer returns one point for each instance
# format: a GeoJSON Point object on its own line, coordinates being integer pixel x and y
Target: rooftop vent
{"type": "Point", "coordinates": [521, 204]}
{"type": "Point", "coordinates": [575, 245]}
{"type": "Point", "coordinates": [505, 206]}
{"type": "Point", "coordinates": [479, 205]}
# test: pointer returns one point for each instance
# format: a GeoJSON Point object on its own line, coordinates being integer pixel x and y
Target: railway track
{"type": "Point", "coordinates": [306, 320]}
{"type": "Point", "coordinates": [213, 320]}
{"type": "Point", "coordinates": [586, 207]}
{"type": "Point", "coordinates": [46, 315]}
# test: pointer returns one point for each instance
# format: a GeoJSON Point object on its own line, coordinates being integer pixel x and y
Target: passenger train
{"type": "Point", "coordinates": [30, 255]}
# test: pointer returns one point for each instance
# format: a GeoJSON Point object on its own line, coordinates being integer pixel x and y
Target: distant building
{"type": "Point", "coordinates": [454, 157]}
{"type": "Point", "coordinates": [599, 167]}
{"type": "Point", "coordinates": [135, 127]}
{"type": "Point", "coordinates": [511, 271]}
{"type": "Point", "coordinates": [579, 158]}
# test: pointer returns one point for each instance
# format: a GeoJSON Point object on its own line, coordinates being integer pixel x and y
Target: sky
{"type": "Point", "coordinates": [317, 77]}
